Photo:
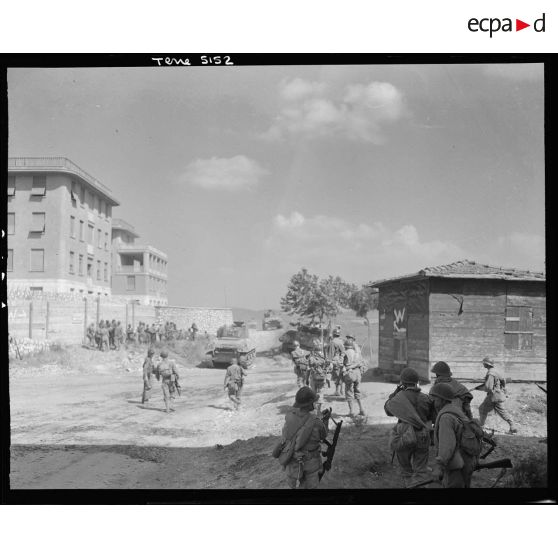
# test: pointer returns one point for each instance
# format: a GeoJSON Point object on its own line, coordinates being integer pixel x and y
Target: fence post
{"type": "Point", "coordinates": [85, 321]}
{"type": "Point", "coordinates": [98, 308]}
{"type": "Point", "coordinates": [47, 318]}
{"type": "Point", "coordinates": [31, 320]}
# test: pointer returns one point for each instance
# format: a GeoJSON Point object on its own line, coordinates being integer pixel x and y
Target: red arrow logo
{"type": "Point", "coordinates": [519, 25]}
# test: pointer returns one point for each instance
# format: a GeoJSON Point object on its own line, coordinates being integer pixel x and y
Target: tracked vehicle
{"type": "Point", "coordinates": [233, 341]}
{"type": "Point", "coordinates": [271, 321]}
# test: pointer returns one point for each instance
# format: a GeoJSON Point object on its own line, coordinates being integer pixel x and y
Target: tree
{"type": "Point", "coordinates": [312, 298]}
{"type": "Point", "coordinates": [363, 301]}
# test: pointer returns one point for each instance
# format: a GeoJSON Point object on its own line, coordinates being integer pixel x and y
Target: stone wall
{"type": "Point", "coordinates": [207, 319]}
{"type": "Point", "coordinates": [22, 347]}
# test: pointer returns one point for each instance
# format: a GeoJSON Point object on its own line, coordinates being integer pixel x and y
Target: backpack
{"type": "Point", "coordinates": [284, 449]}
{"type": "Point", "coordinates": [470, 442]}
{"type": "Point", "coordinates": [405, 436]}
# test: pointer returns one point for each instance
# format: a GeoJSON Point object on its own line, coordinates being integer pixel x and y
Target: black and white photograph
{"type": "Point", "coordinates": [228, 276]}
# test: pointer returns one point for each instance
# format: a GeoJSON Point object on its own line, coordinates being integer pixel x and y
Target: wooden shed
{"type": "Point", "coordinates": [460, 313]}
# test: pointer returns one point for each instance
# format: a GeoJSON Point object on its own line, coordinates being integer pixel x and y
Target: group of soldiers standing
{"type": "Point", "coordinates": [442, 419]}
{"type": "Point", "coordinates": [106, 335]}
{"type": "Point", "coordinates": [156, 333]}
{"type": "Point", "coordinates": [343, 366]}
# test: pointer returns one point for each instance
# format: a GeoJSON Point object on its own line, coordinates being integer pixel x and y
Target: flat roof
{"type": "Point", "coordinates": [467, 269]}
{"type": "Point", "coordinates": [59, 164]}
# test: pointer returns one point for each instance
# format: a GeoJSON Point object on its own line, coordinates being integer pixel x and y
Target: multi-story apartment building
{"type": "Point", "coordinates": [139, 270]}
{"type": "Point", "coordinates": [59, 227]}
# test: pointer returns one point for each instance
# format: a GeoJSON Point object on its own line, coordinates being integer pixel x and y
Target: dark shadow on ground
{"type": "Point", "coordinates": [223, 408]}
{"type": "Point", "coordinates": [281, 397]}
{"type": "Point", "coordinates": [150, 408]}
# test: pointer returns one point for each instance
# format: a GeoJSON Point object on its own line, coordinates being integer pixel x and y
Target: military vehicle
{"type": "Point", "coordinates": [233, 341]}
{"type": "Point", "coordinates": [271, 321]}
{"type": "Point", "coordinates": [308, 337]}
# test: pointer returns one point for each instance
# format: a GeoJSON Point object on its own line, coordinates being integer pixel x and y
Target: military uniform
{"type": "Point", "coordinates": [166, 370]}
{"type": "Point", "coordinates": [457, 467]}
{"type": "Point", "coordinates": [412, 460]}
{"type": "Point", "coordinates": [461, 392]}
{"type": "Point", "coordinates": [306, 464]}
{"type": "Point", "coordinates": [337, 354]}
{"type": "Point", "coordinates": [317, 375]}
{"type": "Point", "coordinates": [91, 335]}
{"type": "Point", "coordinates": [495, 387]}
{"type": "Point", "coordinates": [299, 357]}
{"type": "Point", "coordinates": [234, 382]}
{"type": "Point", "coordinates": [104, 334]}
{"type": "Point", "coordinates": [352, 376]}
{"type": "Point", "coordinates": [147, 371]}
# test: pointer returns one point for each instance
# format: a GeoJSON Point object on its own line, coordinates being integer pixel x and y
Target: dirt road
{"type": "Point", "coordinates": [72, 430]}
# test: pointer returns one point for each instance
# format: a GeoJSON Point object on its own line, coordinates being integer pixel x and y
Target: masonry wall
{"type": "Point", "coordinates": [207, 319]}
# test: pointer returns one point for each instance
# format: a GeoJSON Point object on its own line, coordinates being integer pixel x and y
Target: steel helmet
{"type": "Point", "coordinates": [305, 396]}
{"type": "Point", "coordinates": [441, 368]}
{"type": "Point", "coordinates": [443, 391]}
{"type": "Point", "coordinates": [409, 376]}
{"type": "Point", "coordinates": [150, 352]}
{"type": "Point", "coordinates": [488, 360]}
{"type": "Point", "coordinates": [164, 354]}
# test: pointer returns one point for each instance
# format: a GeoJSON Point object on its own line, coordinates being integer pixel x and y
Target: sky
{"type": "Point", "coordinates": [244, 175]}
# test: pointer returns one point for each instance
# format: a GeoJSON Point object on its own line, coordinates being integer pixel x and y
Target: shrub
{"type": "Point", "coordinates": [530, 471]}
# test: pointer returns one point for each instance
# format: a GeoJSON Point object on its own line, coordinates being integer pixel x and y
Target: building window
{"type": "Point", "coordinates": [72, 226]}
{"type": "Point", "coordinates": [109, 211]}
{"type": "Point", "coordinates": [101, 207]}
{"type": "Point", "coordinates": [518, 331]}
{"type": "Point", "coordinates": [100, 238]}
{"type": "Point", "coordinates": [39, 185]}
{"type": "Point", "coordinates": [131, 283]}
{"type": "Point", "coordinates": [11, 223]}
{"type": "Point", "coordinates": [80, 264]}
{"type": "Point", "coordinates": [91, 234]}
{"type": "Point", "coordinates": [72, 258]}
{"type": "Point", "coordinates": [98, 270]}
{"type": "Point", "coordinates": [38, 222]}
{"type": "Point", "coordinates": [82, 197]}
{"type": "Point", "coordinates": [90, 269]}
{"type": "Point", "coordinates": [37, 260]}
{"type": "Point", "coordinates": [10, 261]}
{"type": "Point", "coordinates": [73, 193]}
{"type": "Point", "coordinates": [36, 289]}
{"type": "Point", "coordinates": [106, 241]}
{"type": "Point", "coordinates": [11, 185]}
{"type": "Point", "coordinates": [99, 201]}
{"type": "Point", "coordinates": [81, 229]}
{"type": "Point", "coordinates": [106, 271]}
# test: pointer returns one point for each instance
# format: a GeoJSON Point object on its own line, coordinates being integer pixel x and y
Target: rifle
{"type": "Point", "coordinates": [476, 387]}
{"type": "Point", "coordinates": [541, 388]}
{"type": "Point", "coordinates": [488, 439]}
{"type": "Point", "coordinates": [330, 452]}
{"type": "Point", "coordinates": [499, 464]}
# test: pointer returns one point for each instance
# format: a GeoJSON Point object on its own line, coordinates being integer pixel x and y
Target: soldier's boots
{"type": "Point", "coordinates": [361, 412]}
{"type": "Point", "coordinates": [513, 429]}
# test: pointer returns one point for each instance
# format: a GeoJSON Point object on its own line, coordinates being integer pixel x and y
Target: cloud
{"type": "Point", "coordinates": [359, 114]}
{"type": "Point", "coordinates": [357, 251]}
{"type": "Point", "coordinates": [233, 175]}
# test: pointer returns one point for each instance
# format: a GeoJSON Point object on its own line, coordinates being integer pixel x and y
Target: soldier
{"type": "Point", "coordinates": [118, 336]}
{"type": "Point", "coordinates": [167, 373]}
{"type": "Point", "coordinates": [317, 373]}
{"type": "Point", "coordinates": [104, 334]}
{"type": "Point", "coordinates": [130, 334]}
{"type": "Point", "coordinates": [443, 375]}
{"type": "Point", "coordinates": [352, 376]}
{"type": "Point", "coordinates": [234, 382]}
{"type": "Point", "coordinates": [147, 371]}
{"type": "Point", "coordinates": [91, 334]}
{"type": "Point", "coordinates": [414, 410]}
{"type": "Point", "coordinates": [496, 394]}
{"type": "Point", "coordinates": [98, 334]}
{"type": "Point", "coordinates": [111, 326]}
{"type": "Point", "coordinates": [299, 357]}
{"type": "Point", "coordinates": [356, 347]}
{"type": "Point", "coordinates": [306, 431]}
{"type": "Point", "coordinates": [453, 467]}
{"type": "Point", "coordinates": [194, 329]}
{"type": "Point", "coordinates": [337, 354]}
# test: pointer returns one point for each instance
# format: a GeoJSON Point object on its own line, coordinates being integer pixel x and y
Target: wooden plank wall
{"type": "Point", "coordinates": [413, 296]}
{"type": "Point", "coordinates": [462, 340]}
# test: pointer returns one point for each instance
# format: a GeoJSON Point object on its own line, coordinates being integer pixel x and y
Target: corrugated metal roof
{"type": "Point", "coordinates": [467, 269]}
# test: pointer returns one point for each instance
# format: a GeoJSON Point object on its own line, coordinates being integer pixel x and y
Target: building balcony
{"type": "Point", "coordinates": [131, 269]}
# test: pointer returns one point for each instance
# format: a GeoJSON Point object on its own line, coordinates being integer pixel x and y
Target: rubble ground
{"type": "Point", "coordinates": [77, 422]}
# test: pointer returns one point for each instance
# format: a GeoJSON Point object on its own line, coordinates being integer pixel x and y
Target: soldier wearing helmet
{"type": "Point", "coordinates": [306, 431]}
{"type": "Point", "coordinates": [234, 382]}
{"type": "Point", "coordinates": [454, 468]}
{"type": "Point", "coordinates": [337, 353]}
{"type": "Point", "coordinates": [166, 371]}
{"type": "Point", "coordinates": [415, 410]}
{"type": "Point", "coordinates": [147, 371]}
{"type": "Point", "coordinates": [352, 376]}
{"type": "Point", "coordinates": [442, 371]}
{"type": "Point", "coordinates": [300, 360]}
{"type": "Point", "coordinates": [496, 394]}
